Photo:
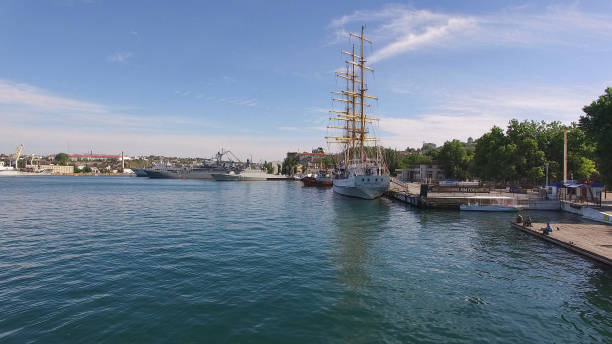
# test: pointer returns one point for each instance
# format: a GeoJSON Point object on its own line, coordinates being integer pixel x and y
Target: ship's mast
{"type": "Point", "coordinates": [362, 90]}
{"type": "Point", "coordinates": [347, 149]}
{"type": "Point", "coordinates": [355, 128]}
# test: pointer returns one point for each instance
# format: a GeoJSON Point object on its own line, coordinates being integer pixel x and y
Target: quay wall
{"type": "Point", "coordinates": [587, 212]}
{"type": "Point", "coordinates": [590, 240]}
{"type": "Point", "coordinates": [541, 205]}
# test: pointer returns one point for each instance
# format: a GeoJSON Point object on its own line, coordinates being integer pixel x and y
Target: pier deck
{"type": "Point", "coordinates": [591, 239]}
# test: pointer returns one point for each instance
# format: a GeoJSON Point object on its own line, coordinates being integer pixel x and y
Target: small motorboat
{"type": "Point", "coordinates": [323, 178]}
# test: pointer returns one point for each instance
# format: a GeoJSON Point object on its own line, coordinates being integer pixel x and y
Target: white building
{"type": "Point", "coordinates": [421, 173]}
{"type": "Point", "coordinates": [57, 169]}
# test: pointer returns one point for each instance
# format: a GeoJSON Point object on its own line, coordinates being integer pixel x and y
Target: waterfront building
{"type": "Point", "coordinates": [57, 169]}
{"type": "Point", "coordinates": [421, 173]}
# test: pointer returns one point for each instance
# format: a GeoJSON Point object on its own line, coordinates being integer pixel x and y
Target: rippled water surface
{"type": "Point", "coordinates": [136, 260]}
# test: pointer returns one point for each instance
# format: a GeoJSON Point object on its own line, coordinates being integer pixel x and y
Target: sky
{"type": "Point", "coordinates": [187, 78]}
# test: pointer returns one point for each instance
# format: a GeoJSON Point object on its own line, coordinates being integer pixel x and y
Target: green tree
{"type": "Point", "coordinates": [289, 165]}
{"type": "Point", "coordinates": [455, 159]}
{"type": "Point", "coordinates": [62, 159]}
{"type": "Point", "coordinates": [392, 160]}
{"type": "Point", "coordinates": [268, 167]}
{"type": "Point", "coordinates": [597, 124]}
{"type": "Point", "coordinates": [490, 155]}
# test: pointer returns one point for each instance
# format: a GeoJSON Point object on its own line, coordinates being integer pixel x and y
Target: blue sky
{"type": "Point", "coordinates": [187, 78]}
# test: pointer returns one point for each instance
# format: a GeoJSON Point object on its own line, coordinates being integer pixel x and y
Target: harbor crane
{"type": "Point", "coordinates": [220, 155]}
{"type": "Point", "coordinates": [15, 157]}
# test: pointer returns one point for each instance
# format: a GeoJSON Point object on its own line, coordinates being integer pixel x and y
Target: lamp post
{"type": "Point", "coordinates": [546, 164]}
{"type": "Point", "coordinates": [565, 131]}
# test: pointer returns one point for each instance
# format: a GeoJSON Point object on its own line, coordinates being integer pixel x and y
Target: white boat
{"type": "Point", "coordinates": [489, 203]}
{"type": "Point", "coordinates": [10, 172]}
{"type": "Point", "coordinates": [359, 175]}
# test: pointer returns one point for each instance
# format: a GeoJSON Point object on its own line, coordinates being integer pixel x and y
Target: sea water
{"type": "Point", "coordinates": [138, 260]}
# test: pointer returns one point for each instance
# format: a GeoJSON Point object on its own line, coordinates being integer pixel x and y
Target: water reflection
{"type": "Point", "coordinates": [358, 223]}
{"type": "Point", "coordinates": [600, 299]}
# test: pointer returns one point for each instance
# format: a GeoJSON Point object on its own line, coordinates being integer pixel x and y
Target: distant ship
{"type": "Point", "coordinates": [174, 172]}
{"type": "Point", "coordinates": [362, 172]}
{"type": "Point", "coordinates": [140, 172]}
{"type": "Point", "coordinates": [193, 172]}
{"type": "Point", "coordinates": [248, 174]}
{"type": "Point", "coordinates": [10, 171]}
{"type": "Point", "coordinates": [162, 171]}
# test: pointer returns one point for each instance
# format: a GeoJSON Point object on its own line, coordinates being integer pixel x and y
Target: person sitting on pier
{"type": "Point", "coordinates": [527, 222]}
{"type": "Point", "coordinates": [519, 219]}
{"type": "Point", "coordinates": [547, 230]}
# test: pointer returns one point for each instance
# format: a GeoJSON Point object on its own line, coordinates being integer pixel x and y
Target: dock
{"type": "Point", "coordinates": [590, 239]}
{"type": "Point", "coordinates": [412, 193]}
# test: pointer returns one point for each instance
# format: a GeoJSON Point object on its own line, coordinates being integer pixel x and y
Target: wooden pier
{"type": "Point", "coordinates": [590, 239]}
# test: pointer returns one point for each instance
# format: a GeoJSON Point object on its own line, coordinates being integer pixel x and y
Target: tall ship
{"type": "Point", "coordinates": [361, 172]}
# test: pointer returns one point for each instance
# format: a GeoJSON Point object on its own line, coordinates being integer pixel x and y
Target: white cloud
{"type": "Point", "coordinates": [12, 93]}
{"type": "Point", "coordinates": [246, 101]}
{"type": "Point", "coordinates": [466, 114]}
{"type": "Point", "coordinates": [412, 132]}
{"type": "Point", "coordinates": [399, 29]}
{"type": "Point", "coordinates": [119, 57]}
{"type": "Point", "coordinates": [45, 141]}
{"type": "Point", "coordinates": [431, 34]}
{"type": "Point", "coordinates": [44, 123]}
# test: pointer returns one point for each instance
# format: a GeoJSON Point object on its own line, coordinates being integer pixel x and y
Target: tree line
{"type": "Point", "coordinates": [521, 153]}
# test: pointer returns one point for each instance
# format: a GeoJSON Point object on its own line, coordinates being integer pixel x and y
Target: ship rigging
{"type": "Point", "coordinates": [362, 172]}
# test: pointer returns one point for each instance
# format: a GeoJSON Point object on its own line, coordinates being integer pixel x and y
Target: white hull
{"type": "Point", "coordinates": [466, 207]}
{"type": "Point", "coordinates": [224, 176]}
{"type": "Point", "coordinates": [11, 173]}
{"type": "Point", "coordinates": [366, 187]}
{"type": "Point", "coordinates": [247, 177]}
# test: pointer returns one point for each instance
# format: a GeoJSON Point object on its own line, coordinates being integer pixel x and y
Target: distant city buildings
{"type": "Point", "coordinates": [91, 157]}
{"type": "Point", "coordinates": [309, 162]}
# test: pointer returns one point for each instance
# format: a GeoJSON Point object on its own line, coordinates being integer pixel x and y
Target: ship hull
{"type": "Point", "coordinates": [248, 176]}
{"type": "Point", "coordinates": [365, 187]}
{"type": "Point", "coordinates": [140, 172]}
{"type": "Point", "coordinates": [11, 173]}
{"type": "Point", "coordinates": [224, 177]}
{"type": "Point", "coordinates": [236, 177]}
{"type": "Point", "coordinates": [185, 174]}
{"type": "Point", "coordinates": [160, 174]}
{"type": "Point", "coordinates": [309, 181]}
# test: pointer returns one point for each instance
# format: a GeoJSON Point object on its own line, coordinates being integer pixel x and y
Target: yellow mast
{"type": "Point", "coordinates": [356, 95]}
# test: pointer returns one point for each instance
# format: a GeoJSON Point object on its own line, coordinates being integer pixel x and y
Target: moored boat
{"type": "Point", "coordinates": [322, 178]}
{"type": "Point", "coordinates": [362, 173]}
{"type": "Point", "coordinates": [489, 203]}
